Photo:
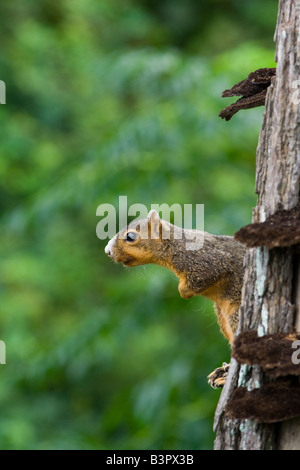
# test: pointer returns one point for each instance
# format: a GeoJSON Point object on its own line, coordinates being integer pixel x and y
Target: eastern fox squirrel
{"type": "Point", "coordinates": [212, 266]}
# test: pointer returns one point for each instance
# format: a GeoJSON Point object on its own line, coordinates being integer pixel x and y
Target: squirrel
{"type": "Point", "coordinates": [207, 265]}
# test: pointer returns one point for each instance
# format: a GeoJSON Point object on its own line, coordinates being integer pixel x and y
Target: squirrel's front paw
{"type": "Point", "coordinates": [217, 378]}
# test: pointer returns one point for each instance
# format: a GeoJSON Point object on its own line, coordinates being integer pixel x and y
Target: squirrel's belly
{"type": "Point", "coordinates": [227, 313]}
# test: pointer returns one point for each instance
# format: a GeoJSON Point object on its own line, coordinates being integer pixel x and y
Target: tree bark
{"type": "Point", "coordinates": [271, 291]}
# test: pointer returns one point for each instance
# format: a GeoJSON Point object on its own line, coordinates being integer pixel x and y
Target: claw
{"type": "Point", "coordinates": [217, 378]}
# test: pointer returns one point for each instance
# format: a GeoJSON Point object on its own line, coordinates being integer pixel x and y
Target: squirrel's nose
{"type": "Point", "coordinates": [109, 248]}
{"type": "Point", "coordinates": [107, 251]}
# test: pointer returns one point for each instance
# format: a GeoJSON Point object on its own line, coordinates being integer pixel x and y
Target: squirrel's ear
{"type": "Point", "coordinates": [153, 217]}
{"type": "Point", "coordinates": [154, 221]}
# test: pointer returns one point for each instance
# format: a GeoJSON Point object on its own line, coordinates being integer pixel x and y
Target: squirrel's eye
{"type": "Point", "coordinates": [131, 236]}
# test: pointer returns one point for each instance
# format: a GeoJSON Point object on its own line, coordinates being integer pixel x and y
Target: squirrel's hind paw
{"type": "Point", "coordinates": [217, 378]}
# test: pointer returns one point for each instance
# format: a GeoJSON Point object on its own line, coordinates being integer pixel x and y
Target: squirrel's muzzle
{"type": "Point", "coordinates": [108, 252]}
{"type": "Point", "coordinates": [108, 249]}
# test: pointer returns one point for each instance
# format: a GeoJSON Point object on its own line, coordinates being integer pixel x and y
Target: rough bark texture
{"type": "Point", "coordinates": [271, 291]}
{"type": "Point", "coordinates": [253, 91]}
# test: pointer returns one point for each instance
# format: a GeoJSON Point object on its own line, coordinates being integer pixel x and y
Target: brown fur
{"type": "Point", "coordinates": [214, 270]}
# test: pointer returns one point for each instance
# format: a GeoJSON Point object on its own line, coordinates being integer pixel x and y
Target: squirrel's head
{"type": "Point", "coordinates": [138, 243]}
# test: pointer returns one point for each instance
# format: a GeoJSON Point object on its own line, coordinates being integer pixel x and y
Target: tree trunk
{"type": "Point", "coordinates": [271, 292]}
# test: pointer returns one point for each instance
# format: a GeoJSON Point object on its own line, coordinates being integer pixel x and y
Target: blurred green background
{"type": "Point", "coordinates": [109, 98]}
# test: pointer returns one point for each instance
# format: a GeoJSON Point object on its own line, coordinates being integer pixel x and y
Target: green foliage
{"type": "Point", "coordinates": [105, 99]}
